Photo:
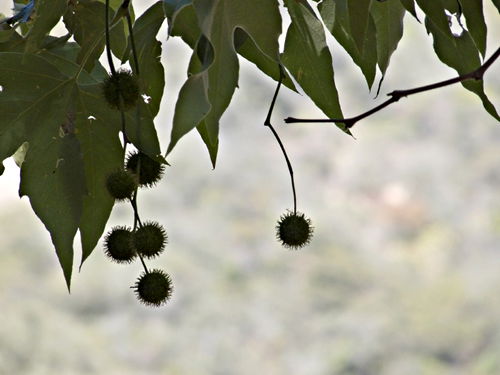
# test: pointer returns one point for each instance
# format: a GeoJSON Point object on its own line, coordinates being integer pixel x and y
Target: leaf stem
{"type": "Point", "coordinates": [108, 43]}
{"type": "Point", "coordinates": [137, 219]}
{"type": "Point", "coordinates": [133, 201]}
{"type": "Point", "coordinates": [395, 95]}
{"type": "Point", "coordinates": [132, 42]}
{"type": "Point", "coordinates": [143, 263]}
{"type": "Point", "coordinates": [267, 123]}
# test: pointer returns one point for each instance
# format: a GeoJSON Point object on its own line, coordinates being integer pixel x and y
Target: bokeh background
{"type": "Point", "coordinates": [402, 275]}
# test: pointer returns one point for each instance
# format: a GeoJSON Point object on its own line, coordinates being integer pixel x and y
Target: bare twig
{"type": "Point", "coordinates": [398, 94]}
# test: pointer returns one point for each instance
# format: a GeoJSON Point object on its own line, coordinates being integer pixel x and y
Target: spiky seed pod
{"type": "Point", "coordinates": [150, 239]}
{"type": "Point", "coordinates": [294, 230]}
{"type": "Point", "coordinates": [121, 90]}
{"type": "Point", "coordinates": [149, 171]}
{"type": "Point", "coordinates": [118, 245]}
{"type": "Point", "coordinates": [153, 288]}
{"type": "Point", "coordinates": [121, 184]}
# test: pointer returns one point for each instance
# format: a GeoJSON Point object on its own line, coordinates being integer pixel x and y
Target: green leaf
{"type": "Point", "coordinates": [218, 20]}
{"type": "Point", "coordinates": [497, 4]}
{"type": "Point", "coordinates": [452, 6]}
{"type": "Point", "coordinates": [51, 174]}
{"type": "Point", "coordinates": [97, 128]}
{"type": "Point", "coordinates": [212, 144]}
{"type": "Point", "coordinates": [65, 57]}
{"type": "Point", "coordinates": [141, 130]}
{"type": "Point", "coordinates": [192, 105]}
{"type": "Point", "coordinates": [72, 146]}
{"type": "Point", "coordinates": [474, 17]}
{"type": "Point", "coordinates": [172, 8]}
{"type": "Point", "coordinates": [308, 58]}
{"type": "Point", "coordinates": [16, 43]}
{"type": "Point", "coordinates": [18, 94]}
{"type": "Point", "coordinates": [461, 54]}
{"type": "Point", "coordinates": [249, 50]}
{"type": "Point", "coordinates": [85, 20]}
{"type": "Point", "coordinates": [53, 178]}
{"type": "Point", "coordinates": [102, 153]}
{"type": "Point", "coordinates": [149, 52]}
{"type": "Point", "coordinates": [6, 35]}
{"type": "Point", "coordinates": [388, 17]}
{"type": "Point", "coordinates": [409, 5]}
{"type": "Point", "coordinates": [47, 14]}
{"type": "Point", "coordinates": [435, 11]}
{"type": "Point", "coordinates": [336, 18]}
{"type": "Point", "coordinates": [184, 23]}
{"type": "Point", "coordinates": [359, 20]}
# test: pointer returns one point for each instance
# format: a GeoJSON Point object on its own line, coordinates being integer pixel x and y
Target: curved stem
{"type": "Point", "coordinates": [267, 123]}
{"type": "Point", "coordinates": [132, 42]}
{"type": "Point", "coordinates": [108, 43]}
{"type": "Point", "coordinates": [395, 95]}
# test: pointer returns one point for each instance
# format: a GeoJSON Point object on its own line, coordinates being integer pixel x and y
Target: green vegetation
{"type": "Point", "coordinates": [400, 278]}
{"type": "Point", "coordinates": [59, 83]}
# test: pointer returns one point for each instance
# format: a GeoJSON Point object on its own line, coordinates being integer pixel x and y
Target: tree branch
{"type": "Point", "coordinates": [398, 94]}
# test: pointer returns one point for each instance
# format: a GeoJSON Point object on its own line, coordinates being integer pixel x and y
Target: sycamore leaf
{"type": "Point", "coordinates": [460, 53]}
{"type": "Point", "coordinates": [218, 21]}
{"type": "Point", "coordinates": [6, 35]}
{"type": "Point", "coordinates": [51, 172]}
{"type": "Point", "coordinates": [172, 8]}
{"type": "Point", "coordinates": [474, 18]}
{"type": "Point", "coordinates": [85, 20]}
{"type": "Point", "coordinates": [308, 58]}
{"type": "Point", "coordinates": [190, 108]}
{"type": "Point", "coordinates": [249, 50]}
{"type": "Point", "coordinates": [148, 49]}
{"type": "Point", "coordinates": [184, 23]}
{"type": "Point", "coordinates": [409, 5]}
{"type": "Point", "coordinates": [97, 130]}
{"type": "Point", "coordinates": [435, 11]}
{"type": "Point", "coordinates": [52, 177]}
{"type": "Point", "coordinates": [102, 153]}
{"type": "Point", "coordinates": [497, 4]}
{"type": "Point", "coordinates": [47, 14]}
{"type": "Point", "coordinates": [336, 19]}
{"type": "Point", "coordinates": [359, 21]}
{"type": "Point", "coordinates": [388, 17]}
{"type": "Point", "coordinates": [72, 147]}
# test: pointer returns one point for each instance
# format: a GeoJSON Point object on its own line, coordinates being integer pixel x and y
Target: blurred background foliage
{"type": "Point", "coordinates": [402, 275]}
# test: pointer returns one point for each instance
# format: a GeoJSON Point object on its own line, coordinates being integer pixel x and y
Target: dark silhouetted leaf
{"type": "Point", "coordinates": [308, 58]}
{"type": "Point", "coordinates": [460, 53]}
{"type": "Point", "coordinates": [474, 17]}
{"type": "Point", "coordinates": [149, 52]}
{"type": "Point", "coordinates": [336, 18]}
{"type": "Point", "coordinates": [388, 17]}
{"type": "Point", "coordinates": [218, 20]}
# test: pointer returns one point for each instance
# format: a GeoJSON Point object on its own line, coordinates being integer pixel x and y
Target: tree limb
{"type": "Point", "coordinates": [398, 94]}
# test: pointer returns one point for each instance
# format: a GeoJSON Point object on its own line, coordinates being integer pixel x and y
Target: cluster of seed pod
{"type": "Point", "coordinates": [145, 240]}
